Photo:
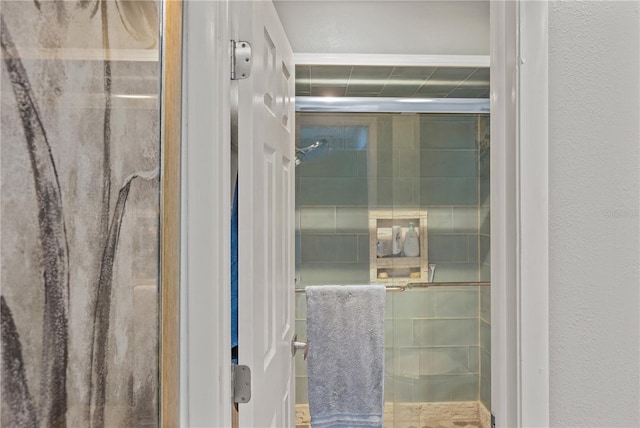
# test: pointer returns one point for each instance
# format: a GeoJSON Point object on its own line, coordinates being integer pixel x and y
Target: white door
{"type": "Point", "coordinates": [266, 216]}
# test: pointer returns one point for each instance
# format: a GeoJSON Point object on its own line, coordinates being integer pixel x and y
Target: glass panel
{"type": "Point", "coordinates": [362, 177]}
{"type": "Point", "coordinates": [80, 205]}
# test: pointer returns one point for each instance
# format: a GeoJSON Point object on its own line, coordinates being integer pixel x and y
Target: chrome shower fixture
{"type": "Point", "coordinates": [309, 148]}
{"type": "Point", "coordinates": [313, 146]}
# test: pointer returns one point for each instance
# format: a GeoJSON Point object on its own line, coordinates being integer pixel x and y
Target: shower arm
{"type": "Point", "coordinates": [309, 148]}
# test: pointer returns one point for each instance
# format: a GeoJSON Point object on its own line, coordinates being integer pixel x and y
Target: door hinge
{"type": "Point", "coordinates": [240, 383]}
{"type": "Point", "coordinates": [240, 60]}
{"type": "Point", "coordinates": [493, 421]}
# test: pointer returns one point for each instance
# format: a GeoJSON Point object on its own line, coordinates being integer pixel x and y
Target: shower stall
{"type": "Point", "coordinates": [363, 171]}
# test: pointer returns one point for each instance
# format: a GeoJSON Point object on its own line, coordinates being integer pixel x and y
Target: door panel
{"type": "Point", "coordinates": [266, 204]}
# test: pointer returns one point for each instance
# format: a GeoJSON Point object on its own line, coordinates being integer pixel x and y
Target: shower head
{"type": "Point", "coordinates": [306, 150]}
{"type": "Point", "coordinates": [312, 147]}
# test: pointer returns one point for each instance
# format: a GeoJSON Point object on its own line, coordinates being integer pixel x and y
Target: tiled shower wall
{"type": "Point", "coordinates": [429, 161]}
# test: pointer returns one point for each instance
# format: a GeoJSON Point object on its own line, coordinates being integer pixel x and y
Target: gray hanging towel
{"type": "Point", "coordinates": [345, 333]}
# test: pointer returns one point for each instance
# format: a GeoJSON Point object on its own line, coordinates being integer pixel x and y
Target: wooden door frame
{"type": "Point", "coordinates": [169, 314]}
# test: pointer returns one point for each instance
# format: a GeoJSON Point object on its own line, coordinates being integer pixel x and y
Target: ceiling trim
{"type": "Point", "coordinates": [392, 59]}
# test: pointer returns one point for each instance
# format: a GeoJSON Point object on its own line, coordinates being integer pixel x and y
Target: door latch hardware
{"type": "Point", "coordinates": [241, 382]}
{"type": "Point", "coordinates": [240, 60]}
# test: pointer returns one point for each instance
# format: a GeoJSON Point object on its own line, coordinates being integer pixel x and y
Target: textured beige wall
{"type": "Point", "coordinates": [594, 213]}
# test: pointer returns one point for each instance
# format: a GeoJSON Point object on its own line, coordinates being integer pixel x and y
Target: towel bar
{"type": "Point", "coordinates": [409, 286]}
{"type": "Point", "coordinates": [390, 289]}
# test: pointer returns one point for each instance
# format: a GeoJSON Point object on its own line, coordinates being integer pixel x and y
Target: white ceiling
{"type": "Point", "coordinates": [387, 27]}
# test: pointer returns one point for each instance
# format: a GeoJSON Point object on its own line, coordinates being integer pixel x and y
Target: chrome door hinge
{"type": "Point", "coordinates": [240, 383]}
{"type": "Point", "coordinates": [240, 60]}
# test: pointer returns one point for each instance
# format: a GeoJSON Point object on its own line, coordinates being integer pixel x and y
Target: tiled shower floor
{"type": "Point", "coordinates": [470, 414]}
{"type": "Point", "coordinates": [443, 424]}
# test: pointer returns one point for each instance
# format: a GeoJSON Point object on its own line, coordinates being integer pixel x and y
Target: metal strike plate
{"type": "Point", "coordinates": [241, 380]}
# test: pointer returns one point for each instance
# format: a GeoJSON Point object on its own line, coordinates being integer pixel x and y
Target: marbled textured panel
{"type": "Point", "coordinates": [79, 222]}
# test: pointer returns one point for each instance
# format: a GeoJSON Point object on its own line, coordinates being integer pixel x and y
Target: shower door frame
{"type": "Point", "coordinates": [519, 201]}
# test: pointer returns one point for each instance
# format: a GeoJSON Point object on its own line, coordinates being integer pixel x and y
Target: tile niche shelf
{"type": "Point", "coordinates": [397, 269]}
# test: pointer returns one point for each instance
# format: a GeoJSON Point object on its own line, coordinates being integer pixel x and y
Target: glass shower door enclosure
{"type": "Point", "coordinates": [361, 177]}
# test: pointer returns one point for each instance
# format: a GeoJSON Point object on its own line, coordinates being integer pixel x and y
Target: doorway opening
{"type": "Point", "coordinates": [381, 146]}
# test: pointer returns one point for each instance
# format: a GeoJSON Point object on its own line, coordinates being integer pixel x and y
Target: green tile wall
{"type": "Point", "coordinates": [352, 219]}
{"type": "Point", "coordinates": [448, 163]}
{"type": "Point", "coordinates": [436, 339]}
{"type": "Point", "coordinates": [449, 191]}
{"type": "Point", "coordinates": [342, 163]}
{"type": "Point", "coordinates": [333, 273]}
{"type": "Point", "coordinates": [485, 364]}
{"type": "Point", "coordinates": [485, 250]}
{"type": "Point", "coordinates": [485, 219]}
{"type": "Point", "coordinates": [474, 359]}
{"type": "Point", "coordinates": [443, 361]}
{"type": "Point", "coordinates": [329, 248]}
{"type": "Point", "coordinates": [407, 163]}
{"type": "Point", "coordinates": [457, 304]}
{"type": "Point", "coordinates": [457, 272]}
{"type": "Point", "coordinates": [465, 219]}
{"type": "Point", "coordinates": [402, 333]}
{"type": "Point", "coordinates": [474, 247]}
{"type": "Point", "coordinates": [318, 219]}
{"type": "Point", "coordinates": [414, 304]}
{"type": "Point", "coordinates": [485, 261]}
{"type": "Point", "coordinates": [445, 131]}
{"type": "Point", "coordinates": [445, 332]}
{"type": "Point", "coordinates": [449, 248]}
{"type": "Point", "coordinates": [332, 191]}
{"type": "Point", "coordinates": [448, 388]}
{"type": "Point", "coordinates": [485, 304]}
{"type": "Point", "coordinates": [440, 220]}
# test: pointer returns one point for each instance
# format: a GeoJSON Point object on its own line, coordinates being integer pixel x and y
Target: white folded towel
{"type": "Point", "coordinates": [345, 333]}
